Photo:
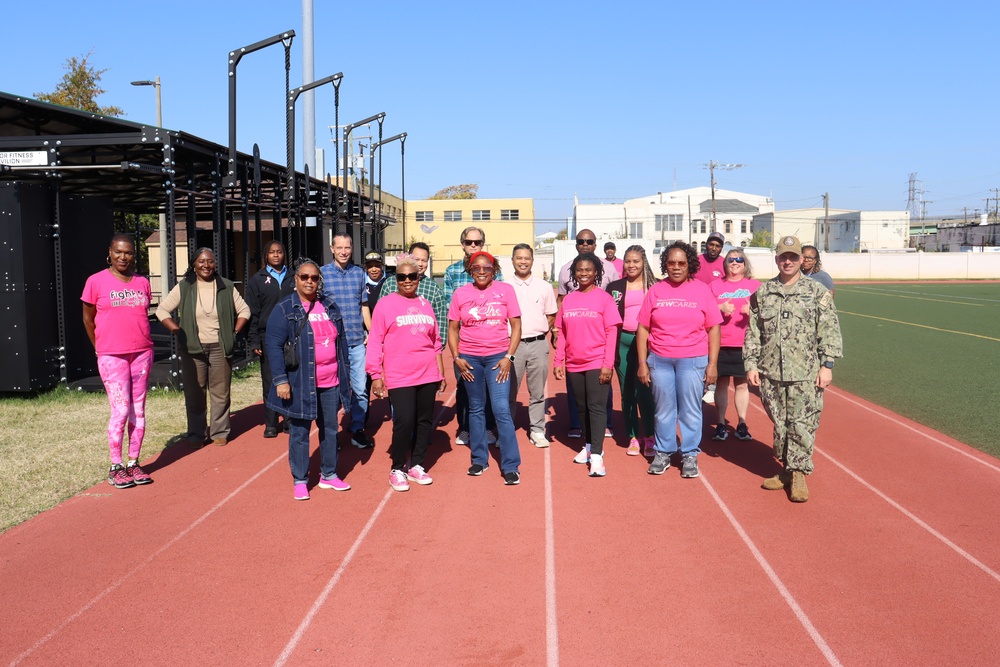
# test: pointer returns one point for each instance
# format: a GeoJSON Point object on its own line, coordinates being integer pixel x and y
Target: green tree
{"type": "Point", "coordinates": [80, 87]}
{"type": "Point", "coordinates": [464, 191]}
{"type": "Point", "coordinates": [760, 239]}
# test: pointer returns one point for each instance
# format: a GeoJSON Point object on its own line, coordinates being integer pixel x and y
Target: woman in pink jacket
{"type": "Point", "coordinates": [585, 353]}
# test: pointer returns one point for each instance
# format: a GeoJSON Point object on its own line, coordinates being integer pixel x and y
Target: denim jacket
{"type": "Point", "coordinates": [283, 325]}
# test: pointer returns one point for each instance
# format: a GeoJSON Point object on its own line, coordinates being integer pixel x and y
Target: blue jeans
{"type": "Point", "coordinates": [678, 385]}
{"type": "Point", "coordinates": [359, 381]}
{"type": "Point", "coordinates": [328, 405]}
{"type": "Point", "coordinates": [574, 408]}
{"type": "Point", "coordinates": [485, 388]}
{"type": "Point", "coordinates": [462, 406]}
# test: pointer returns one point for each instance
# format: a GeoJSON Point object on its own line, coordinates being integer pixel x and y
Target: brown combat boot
{"type": "Point", "coordinates": [800, 492]}
{"type": "Point", "coordinates": [778, 482]}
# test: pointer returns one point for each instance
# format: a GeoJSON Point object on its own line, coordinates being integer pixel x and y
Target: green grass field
{"type": "Point", "coordinates": [930, 352]}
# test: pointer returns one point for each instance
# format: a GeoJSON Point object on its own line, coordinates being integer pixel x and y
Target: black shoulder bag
{"type": "Point", "coordinates": [289, 348]}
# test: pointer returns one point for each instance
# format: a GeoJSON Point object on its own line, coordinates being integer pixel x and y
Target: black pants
{"type": "Point", "coordinates": [270, 416]}
{"type": "Point", "coordinates": [591, 405]}
{"type": "Point", "coordinates": [412, 412]}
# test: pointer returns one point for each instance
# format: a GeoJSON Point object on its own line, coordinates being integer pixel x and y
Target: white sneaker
{"type": "Point", "coordinates": [584, 455]}
{"type": "Point", "coordinates": [597, 465]}
{"type": "Point", "coordinates": [538, 439]}
{"type": "Point", "coordinates": [709, 396]}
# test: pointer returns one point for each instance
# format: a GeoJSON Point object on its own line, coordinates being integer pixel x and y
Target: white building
{"type": "Point", "coordinates": [849, 231]}
{"type": "Point", "coordinates": [688, 215]}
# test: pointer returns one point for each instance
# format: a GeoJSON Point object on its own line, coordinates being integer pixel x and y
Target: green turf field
{"type": "Point", "coordinates": [928, 351]}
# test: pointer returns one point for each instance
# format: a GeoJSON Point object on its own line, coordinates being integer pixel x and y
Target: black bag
{"type": "Point", "coordinates": [289, 348]}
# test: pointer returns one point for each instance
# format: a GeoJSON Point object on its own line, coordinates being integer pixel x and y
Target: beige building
{"type": "Point", "coordinates": [439, 224]}
{"type": "Point", "coordinates": [848, 231]}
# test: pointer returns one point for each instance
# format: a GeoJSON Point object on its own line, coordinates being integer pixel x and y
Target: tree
{"type": "Point", "coordinates": [760, 239]}
{"type": "Point", "coordinates": [464, 191]}
{"type": "Point", "coordinates": [80, 87]}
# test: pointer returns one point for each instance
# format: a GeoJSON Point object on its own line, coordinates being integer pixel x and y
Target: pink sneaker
{"type": "Point", "coordinates": [139, 476]}
{"type": "Point", "coordinates": [334, 483]}
{"type": "Point", "coordinates": [397, 480]}
{"type": "Point", "coordinates": [650, 448]}
{"type": "Point", "coordinates": [301, 492]}
{"type": "Point", "coordinates": [417, 474]}
{"type": "Point", "coordinates": [597, 465]}
{"type": "Point", "coordinates": [634, 448]}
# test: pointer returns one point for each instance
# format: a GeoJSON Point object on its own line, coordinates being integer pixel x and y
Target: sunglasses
{"type": "Point", "coordinates": [471, 242]}
{"type": "Point", "coordinates": [586, 241]}
{"type": "Point", "coordinates": [734, 260]}
{"type": "Point", "coordinates": [807, 258]}
{"type": "Point", "coordinates": [308, 277]}
{"type": "Point", "coordinates": [482, 268]}
{"type": "Point", "coordinates": [413, 277]}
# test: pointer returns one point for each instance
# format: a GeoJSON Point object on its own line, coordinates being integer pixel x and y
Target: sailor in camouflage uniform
{"type": "Point", "coordinates": [789, 351]}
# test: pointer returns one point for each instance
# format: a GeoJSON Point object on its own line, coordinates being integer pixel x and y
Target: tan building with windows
{"type": "Point", "coordinates": [439, 224]}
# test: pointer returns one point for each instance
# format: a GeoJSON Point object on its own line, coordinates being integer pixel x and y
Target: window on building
{"type": "Point", "coordinates": [728, 226]}
{"type": "Point", "coordinates": [669, 223]}
{"type": "Point", "coordinates": [703, 223]}
{"type": "Point", "coordinates": [743, 226]}
{"type": "Point", "coordinates": [635, 230]}
{"type": "Point", "coordinates": [480, 215]}
{"type": "Point", "coordinates": [510, 214]}
{"type": "Point", "coordinates": [452, 216]}
{"type": "Point", "coordinates": [704, 246]}
{"type": "Point", "coordinates": [425, 216]}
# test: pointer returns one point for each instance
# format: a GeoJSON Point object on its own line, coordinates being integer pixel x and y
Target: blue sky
{"type": "Point", "coordinates": [605, 101]}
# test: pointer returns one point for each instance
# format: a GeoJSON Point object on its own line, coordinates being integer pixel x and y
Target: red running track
{"type": "Point", "coordinates": [893, 561]}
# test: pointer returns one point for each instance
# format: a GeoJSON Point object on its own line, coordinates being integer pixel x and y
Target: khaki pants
{"type": "Point", "coordinates": [209, 371]}
{"type": "Point", "coordinates": [531, 361]}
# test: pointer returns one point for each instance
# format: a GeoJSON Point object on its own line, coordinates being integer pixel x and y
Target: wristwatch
{"type": "Point", "coordinates": [511, 357]}
{"type": "Point", "coordinates": [828, 364]}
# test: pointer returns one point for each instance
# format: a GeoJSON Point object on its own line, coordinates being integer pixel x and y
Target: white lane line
{"type": "Point", "coordinates": [321, 600]}
{"type": "Point", "coordinates": [846, 397]}
{"type": "Point", "coordinates": [951, 545]}
{"type": "Point", "coordinates": [923, 524]}
{"type": "Point", "coordinates": [551, 620]}
{"type": "Point", "coordinates": [800, 614]}
{"type": "Point", "coordinates": [100, 596]}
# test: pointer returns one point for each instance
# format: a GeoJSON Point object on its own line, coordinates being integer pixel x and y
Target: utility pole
{"type": "Point", "coordinates": [712, 166]}
{"type": "Point", "coordinates": [826, 222]}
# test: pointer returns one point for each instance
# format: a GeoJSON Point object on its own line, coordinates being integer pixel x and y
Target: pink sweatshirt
{"type": "Point", "coordinates": [403, 342]}
{"type": "Point", "coordinates": [678, 318]}
{"type": "Point", "coordinates": [588, 331]}
{"type": "Point", "coordinates": [738, 293]}
{"type": "Point", "coordinates": [122, 320]}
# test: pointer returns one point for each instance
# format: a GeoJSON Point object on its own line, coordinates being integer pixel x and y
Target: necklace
{"type": "Point", "coordinates": [207, 311]}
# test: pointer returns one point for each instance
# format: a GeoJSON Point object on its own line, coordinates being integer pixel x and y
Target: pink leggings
{"type": "Point", "coordinates": [125, 378]}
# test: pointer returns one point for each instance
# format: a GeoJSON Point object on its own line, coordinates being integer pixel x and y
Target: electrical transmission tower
{"type": "Point", "coordinates": [915, 203]}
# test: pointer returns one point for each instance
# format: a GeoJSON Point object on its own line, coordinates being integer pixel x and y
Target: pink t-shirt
{"type": "Point", "coordinates": [619, 265]}
{"type": "Point", "coordinates": [483, 314]}
{"type": "Point", "coordinates": [633, 302]}
{"type": "Point", "coordinates": [738, 293]}
{"type": "Point", "coordinates": [122, 320]}
{"type": "Point", "coordinates": [403, 342]}
{"type": "Point", "coordinates": [587, 324]}
{"type": "Point", "coordinates": [678, 318]}
{"type": "Point", "coordinates": [324, 345]}
{"type": "Point", "coordinates": [709, 272]}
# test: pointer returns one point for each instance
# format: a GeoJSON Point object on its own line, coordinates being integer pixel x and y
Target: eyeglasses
{"type": "Point", "coordinates": [471, 242]}
{"type": "Point", "coordinates": [308, 277]}
{"type": "Point", "coordinates": [807, 258]}
{"type": "Point", "coordinates": [734, 260]}
{"type": "Point", "coordinates": [413, 277]}
{"type": "Point", "coordinates": [482, 268]}
{"type": "Point", "coordinates": [586, 241]}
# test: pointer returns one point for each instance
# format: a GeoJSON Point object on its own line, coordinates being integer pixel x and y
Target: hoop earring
{"type": "Point", "coordinates": [109, 260]}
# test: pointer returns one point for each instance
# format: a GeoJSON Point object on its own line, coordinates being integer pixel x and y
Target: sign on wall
{"type": "Point", "coordinates": [24, 158]}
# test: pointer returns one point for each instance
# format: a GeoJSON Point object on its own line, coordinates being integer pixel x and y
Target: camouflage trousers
{"type": "Point", "coordinates": [794, 407]}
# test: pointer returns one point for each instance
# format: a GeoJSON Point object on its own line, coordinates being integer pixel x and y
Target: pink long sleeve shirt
{"type": "Point", "coordinates": [588, 331]}
{"type": "Point", "coordinates": [403, 342]}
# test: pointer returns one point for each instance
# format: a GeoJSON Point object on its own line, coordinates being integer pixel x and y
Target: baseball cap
{"type": "Point", "coordinates": [373, 257]}
{"type": "Point", "coordinates": [788, 244]}
{"type": "Point", "coordinates": [716, 236]}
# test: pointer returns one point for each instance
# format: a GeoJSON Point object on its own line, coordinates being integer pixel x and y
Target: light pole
{"type": "Point", "coordinates": [164, 262]}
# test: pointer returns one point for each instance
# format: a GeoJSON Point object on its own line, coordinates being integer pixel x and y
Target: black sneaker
{"type": "Point", "coordinates": [689, 467]}
{"type": "Point", "coordinates": [720, 432]}
{"type": "Point", "coordinates": [271, 432]}
{"type": "Point", "coordinates": [361, 440]}
{"type": "Point", "coordinates": [512, 478]}
{"type": "Point", "coordinates": [743, 433]}
{"type": "Point", "coordinates": [476, 470]}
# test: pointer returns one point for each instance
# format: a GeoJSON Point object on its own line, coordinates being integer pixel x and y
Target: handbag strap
{"type": "Point", "coordinates": [304, 320]}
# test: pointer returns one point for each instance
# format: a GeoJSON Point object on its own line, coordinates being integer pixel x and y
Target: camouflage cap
{"type": "Point", "coordinates": [788, 244]}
